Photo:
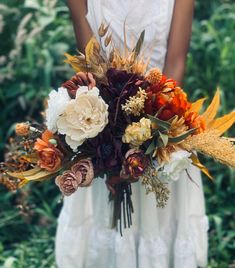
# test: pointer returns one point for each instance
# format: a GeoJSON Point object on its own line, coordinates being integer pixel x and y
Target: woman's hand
{"type": "Point", "coordinates": [179, 38]}
{"type": "Point", "coordinates": [83, 32]}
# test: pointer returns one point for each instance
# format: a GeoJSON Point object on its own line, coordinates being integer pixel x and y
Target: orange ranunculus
{"type": "Point", "coordinates": [194, 120]}
{"type": "Point", "coordinates": [49, 156]}
{"type": "Point", "coordinates": [168, 95]}
{"type": "Point", "coordinates": [179, 104]}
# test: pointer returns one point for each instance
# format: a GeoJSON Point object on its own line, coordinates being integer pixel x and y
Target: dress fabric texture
{"type": "Point", "coordinates": [173, 237]}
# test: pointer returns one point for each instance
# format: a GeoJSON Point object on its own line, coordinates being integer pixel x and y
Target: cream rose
{"type": "Point", "coordinates": [84, 117]}
{"type": "Point", "coordinates": [137, 133]}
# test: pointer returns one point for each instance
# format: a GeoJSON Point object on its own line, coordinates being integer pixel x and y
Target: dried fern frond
{"type": "Point", "coordinates": [211, 144]}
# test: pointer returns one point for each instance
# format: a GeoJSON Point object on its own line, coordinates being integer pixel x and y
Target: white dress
{"type": "Point", "coordinates": [175, 236]}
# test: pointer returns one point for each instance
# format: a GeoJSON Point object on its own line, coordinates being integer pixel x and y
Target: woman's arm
{"type": "Point", "coordinates": [179, 39]}
{"type": "Point", "coordinates": [83, 32]}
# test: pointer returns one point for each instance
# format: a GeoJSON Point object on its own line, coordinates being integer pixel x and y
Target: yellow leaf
{"type": "Point", "coordinates": [21, 175]}
{"type": "Point", "coordinates": [212, 110]}
{"type": "Point", "coordinates": [223, 123]}
{"type": "Point", "coordinates": [91, 48]}
{"type": "Point", "coordinates": [197, 163]}
{"type": "Point", "coordinates": [197, 105]}
{"type": "Point", "coordinates": [31, 158]}
{"type": "Point", "coordinates": [74, 62]}
{"type": "Point", "coordinates": [34, 174]}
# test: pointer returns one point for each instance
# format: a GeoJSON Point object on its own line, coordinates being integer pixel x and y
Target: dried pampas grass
{"type": "Point", "coordinates": [211, 144]}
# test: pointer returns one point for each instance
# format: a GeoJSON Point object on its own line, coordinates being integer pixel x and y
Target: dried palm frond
{"type": "Point", "coordinates": [212, 109]}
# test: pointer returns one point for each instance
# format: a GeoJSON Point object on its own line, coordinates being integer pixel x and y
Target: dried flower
{"type": "Point", "coordinates": [154, 76]}
{"type": "Point", "coordinates": [135, 105]}
{"type": "Point", "coordinates": [134, 164]}
{"type": "Point", "coordinates": [85, 169]}
{"type": "Point", "coordinates": [178, 127]}
{"type": "Point", "coordinates": [211, 144]}
{"type": "Point", "coordinates": [22, 129]}
{"type": "Point", "coordinates": [50, 157]}
{"type": "Point", "coordinates": [154, 185]}
{"type": "Point", "coordinates": [68, 182]}
{"type": "Point", "coordinates": [137, 133]}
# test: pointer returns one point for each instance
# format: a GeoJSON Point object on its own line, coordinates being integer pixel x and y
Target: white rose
{"type": "Point", "coordinates": [57, 103]}
{"type": "Point", "coordinates": [179, 161]}
{"type": "Point", "coordinates": [84, 117]}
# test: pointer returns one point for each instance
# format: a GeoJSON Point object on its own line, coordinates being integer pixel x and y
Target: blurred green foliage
{"type": "Point", "coordinates": [34, 35]}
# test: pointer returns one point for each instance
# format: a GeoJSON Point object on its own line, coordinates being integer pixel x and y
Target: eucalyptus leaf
{"type": "Point", "coordinates": [181, 137]}
{"type": "Point", "coordinates": [139, 44]}
{"type": "Point", "coordinates": [160, 123]}
{"type": "Point", "coordinates": [164, 138]}
{"type": "Point", "coordinates": [150, 148]}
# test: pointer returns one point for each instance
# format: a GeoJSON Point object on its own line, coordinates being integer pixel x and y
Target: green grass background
{"type": "Point", "coordinates": [34, 34]}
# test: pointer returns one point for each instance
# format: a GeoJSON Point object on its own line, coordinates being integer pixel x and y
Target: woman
{"type": "Point", "coordinates": [175, 236]}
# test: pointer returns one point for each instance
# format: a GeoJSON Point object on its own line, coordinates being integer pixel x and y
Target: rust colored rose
{"type": "Point", "coordinates": [78, 80]}
{"type": "Point", "coordinates": [50, 157]}
{"type": "Point", "coordinates": [85, 169]}
{"type": "Point", "coordinates": [135, 164]}
{"type": "Point", "coordinates": [68, 182]}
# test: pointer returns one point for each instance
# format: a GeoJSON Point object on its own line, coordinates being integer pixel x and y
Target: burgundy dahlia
{"type": "Point", "coordinates": [135, 164]}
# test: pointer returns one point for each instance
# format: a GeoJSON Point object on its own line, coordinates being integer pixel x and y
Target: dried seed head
{"type": "Point", "coordinates": [154, 76]}
{"type": "Point", "coordinates": [107, 40]}
{"type": "Point", "coordinates": [103, 30]}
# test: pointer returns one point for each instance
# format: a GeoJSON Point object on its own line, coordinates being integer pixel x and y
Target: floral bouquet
{"type": "Point", "coordinates": [116, 120]}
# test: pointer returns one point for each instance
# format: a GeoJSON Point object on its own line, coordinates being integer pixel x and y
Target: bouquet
{"type": "Point", "coordinates": [115, 120]}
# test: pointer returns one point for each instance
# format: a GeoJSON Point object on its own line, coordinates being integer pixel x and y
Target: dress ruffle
{"type": "Point", "coordinates": [103, 247]}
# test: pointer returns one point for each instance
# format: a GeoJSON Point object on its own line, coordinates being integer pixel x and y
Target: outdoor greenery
{"type": "Point", "coordinates": [34, 36]}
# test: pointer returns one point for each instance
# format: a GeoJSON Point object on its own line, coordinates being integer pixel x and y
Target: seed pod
{"type": "Point", "coordinates": [108, 40]}
{"type": "Point", "coordinates": [102, 30]}
{"type": "Point", "coordinates": [22, 129]}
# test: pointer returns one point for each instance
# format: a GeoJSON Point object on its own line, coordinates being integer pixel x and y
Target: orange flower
{"type": "Point", "coordinates": [165, 93]}
{"type": "Point", "coordinates": [194, 120]}
{"type": "Point", "coordinates": [22, 129]}
{"type": "Point", "coordinates": [49, 156]}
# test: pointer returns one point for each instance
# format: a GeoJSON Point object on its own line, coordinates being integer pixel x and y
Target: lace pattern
{"type": "Point", "coordinates": [141, 248]}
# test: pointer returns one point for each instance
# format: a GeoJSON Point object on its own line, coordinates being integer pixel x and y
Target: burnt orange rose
{"type": "Point", "coordinates": [50, 157]}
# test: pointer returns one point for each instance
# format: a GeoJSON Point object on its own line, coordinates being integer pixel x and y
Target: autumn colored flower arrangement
{"type": "Point", "coordinates": [115, 119]}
